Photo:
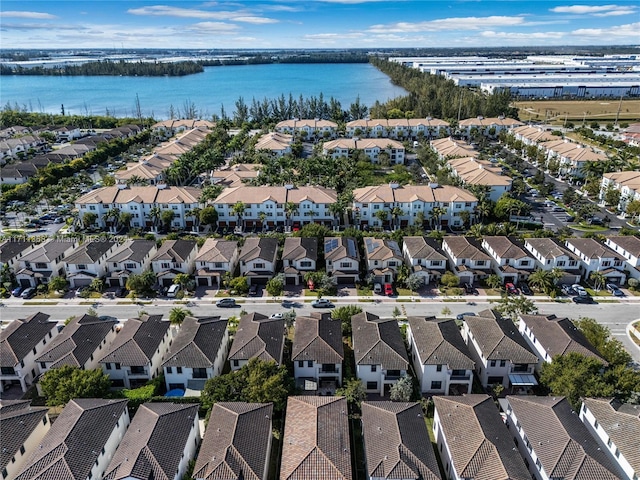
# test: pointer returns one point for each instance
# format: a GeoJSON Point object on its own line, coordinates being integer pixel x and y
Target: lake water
{"type": "Point", "coordinates": [209, 91]}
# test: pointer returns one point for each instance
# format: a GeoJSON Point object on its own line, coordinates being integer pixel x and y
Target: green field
{"type": "Point", "coordinates": [555, 111]}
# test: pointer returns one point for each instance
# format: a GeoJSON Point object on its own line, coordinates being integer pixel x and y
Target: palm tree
{"type": "Point", "coordinates": [154, 216]}
{"type": "Point", "coordinates": [382, 216]}
{"type": "Point", "coordinates": [541, 280]}
{"type": "Point", "coordinates": [195, 214]}
{"type": "Point", "coordinates": [493, 281]}
{"type": "Point", "coordinates": [178, 314]}
{"type": "Point", "coordinates": [238, 208]}
{"type": "Point", "coordinates": [113, 216]}
{"type": "Point", "coordinates": [290, 209]}
{"type": "Point", "coordinates": [262, 216]}
{"type": "Point", "coordinates": [419, 219]}
{"type": "Point", "coordinates": [311, 214]}
{"type": "Point", "coordinates": [556, 273]}
{"type": "Point", "coordinates": [396, 213]}
{"type": "Point", "coordinates": [336, 209]}
{"type": "Point", "coordinates": [125, 219]}
{"type": "Point", "coordinates": [436, 213]}
{"type": "Point", "coordinates": [598, 280]}
{"type": "Point", "coordinates": [476, 231]}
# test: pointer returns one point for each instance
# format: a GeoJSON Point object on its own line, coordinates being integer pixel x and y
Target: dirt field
{"type": "Point", "coordinates": [576, 110]}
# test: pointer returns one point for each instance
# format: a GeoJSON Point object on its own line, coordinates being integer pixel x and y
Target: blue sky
{"type": "Point", "coordinates": [315, 23]}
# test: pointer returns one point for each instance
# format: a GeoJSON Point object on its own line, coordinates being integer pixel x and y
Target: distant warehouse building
{"type": "Point", "coordinates": [590, 89]}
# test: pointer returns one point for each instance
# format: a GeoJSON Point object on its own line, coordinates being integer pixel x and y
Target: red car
{"type": "Point", "coordinates": [511, 289]}
{"type": "Point", "coordinates": [388, 289]}
{"type": "Point", "coordinates": [311, 285]}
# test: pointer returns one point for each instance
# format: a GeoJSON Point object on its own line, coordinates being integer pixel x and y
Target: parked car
{"type": "Point", "coordinates": [322, 303]}
{"type": "Point", "coordinates": [569, 290]}
{"type": "Point", "coordinates": [579, 289]}
{"type": "Point", "coordinates": [277, 315]}
{"type": "Point", "coordinates": [613, 289]}
{"type": "Point", "coordinates": [173, 290]}
{"type": "Point", "coordinates": [524, 288]}
{"type": "Point", "coordinates": [377, 288]}
{"type": "Point", "coordinates": [226, 302]}
{"type": "Point", "coordinates": [511, 289]}
{"type": "Point", "coordinates": [557, 209]}
{"type": "Point", "coordinates": [595, 221]}
{"type": "Point", "coordinates": [28, 293]}
{"type": "Point", "coordinates": [253, 290]}
{"type": "Point", "coordinates": [388, 289]}
{"type": "Point", "coordinates": [59, 220]}
{"type": "Point", "coordinates": [583, 299]}
{"type": "Point", "coordinates": [461, 316]}
{"type": "Point", "coordinates": [81, 291]}
{"type": "Point", "coordinates": [470, 289]}
{"type": "Point", "coordinates": [16, 291]}
{"type": "Point", "coordinates": [121, 292]}
{"type": "Point", "coordinates": [311, 285]}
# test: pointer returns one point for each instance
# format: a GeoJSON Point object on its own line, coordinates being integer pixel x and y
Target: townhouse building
{"type": "Point", "coordinates": [466, 258]}
{"type": "Point", "coordinates": [299, 255]}
{"type": "Point", "coordinates": [275, 206]}
{"type": "Point", "coordinates": [439, 206]}
{"type": "Point", "coordinates": [308, 129]}
{"type": "Point", "coordinates": [532, 135]}
{"type": "Point", "coordinates": [258, 259]}
{"type": "Point", "coordinates": [276, 144]}
{"type": "Point", "coordinates": [571, 156]}
{"type": "Point", "coordinates": [381, 357]}
{"type": "Point", "coordinates": [257, 337]}
{"type": "Point", "coordinates": [44, 262]}
{"type": "Point", "coordinates": [235, 175]}
{"type": "Point", "coordinates": [399, 128]}
{"type": "Point", "coordinates": [215, 258]}
{"type": "Point", "coordinates": [502, 356]}
{"type": "Point", "coordinates": [394, 445]}
{"type": "Point", "coordinates": [21, 342]}
{"type": "Point", "coordinates": [237, 442]}
{"type": "Point", "coordinates": [377, 150]}
{"type": "Point", "coordinates": [131, 257]}
{"type": "Point", "coordinates": [629, 248]}
{"type": "Point", "coordinates": [88, 262]}
{"type": "Point", "coordinates": [549, 253]}
{"type": "Point", "coordinates": [511, 262]}
{"type": "Point", "coordinates": [317, 353]}
{"type": "Point", "coordinates": [627, 183]}
{"type": "Point", "coordinates": [487, 127]}
{"type": "Point", "coordinates": [12, 250]}
{"type": "Point", "coordinates": [81, 442]}
{"type": "Point", "coordinates": [425, 257]}
{"type": "Point", "coordinates": [594, 256]}
{"type": "Point", "coordinates": [616, 426]}
{"type": "Point", "coordinates": [342, 259]}
{"type": "Point", "coordinates": [27, 426]}
{"type": "Point", "coordinates": [159, 444]}
{"type": "Point", "coordinates": [549, 336]}
{"type": "Point", "coordinates": [146, 205]}
{"type": "Point", "coordinates": [383, 257]}
{"type": "Point", "coordinates": [534, 420]}
{"type": "Point", "coordinates": [473, 441]}
{"type": "Point", "coordinates": [173, 258]}
{"type": "Point", "coordinates": [448, 148]}
{"type": "Point", "coordinates": [136, 354]}
{"type": "Point", "coordinates": [197, 353]}
{"type": "Point", "coordinates": [474, 172]}
{"type": "Point", "coordinates": [173, 126]}
{"type": "Point", "coordinates": [308, 447]}
{"type": "Point", "coordinates": [81, 344]}
{"type": "Point", "coordinates": [440, 357]}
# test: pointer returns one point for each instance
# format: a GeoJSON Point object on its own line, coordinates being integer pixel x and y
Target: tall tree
{"type": "Point", "coordinates": [59, 385]}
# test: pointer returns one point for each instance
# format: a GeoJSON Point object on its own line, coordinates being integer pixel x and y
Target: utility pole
{"type": "Point", "coordinates": [615, 124]}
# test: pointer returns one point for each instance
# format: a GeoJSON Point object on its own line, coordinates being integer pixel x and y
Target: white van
{"type": "Point", "coordinates": [416, 144]}
{"type": "Point", "coordinates": [377, 288]}
{"type": "Point", "coordinates": [173, 290]}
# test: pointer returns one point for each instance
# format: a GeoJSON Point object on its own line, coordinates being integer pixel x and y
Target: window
{"type": "Point", "coordinates": [5, 474]}
{"type": "Point", "coordinates": [305, 264]}
{"type": "Point", "coordinates": [372, 385]}
{"type": "Point", "coordinates": [493, 363]}
{"type": "Point", "coordinates": [44, 420]}
{"type": "Point", "coordinates": [117, 366]}
{"type": "Point", "coordinates": [108, 366]}
{"type": "Point", "coordinates": [374, 368]}
{"type": "Point", "coordinates": [438, 368]}
{"type": "Point", "coordinates": [236, 363]}
{"type": "Point", "coordinates": [169, 370]}
{"type": "Point", "coordinates": [82, 267]}
{"type": "Point", "coordinates": [300, 363]}
{"type": "Point", "coordinates": [43, 365]}
{"type": "Point", "coordinates": [258, 265]}
{"type": "Point", "coordinates": [436, 385]}
{"type": "Point", "coordinates": [309, 363]}
{"type": "Point", "coordinates": [503, 363]}
{"type": "Point", "coordinates": [617, 453]}
{"type": "Point", "coordinates": [21, 449]}
{"type": "Point", "coordinates": [178, 370]}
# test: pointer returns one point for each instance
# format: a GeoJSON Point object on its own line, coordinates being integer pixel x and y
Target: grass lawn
{"type": "Point", "coordinates": [598, 110]}
{"type": "Point", "coordinates": [309, 293]}
{"type": "Point", "coordinates": [405, 292]}
{"type": "Point", "coordinates": [585, 227]}
{"type": "Point", "coordinates": [364, 291]}
{"type": "Point", "coordinates": [493, 292]}
{"type": "Point", "coordinates": [597, 293]}
{"type": "Point", "coordinates": [43, 296]}
{"type": "Point", "coordinates": [40, 303]}
{"type": "Point", "coordinates": [451, 291]}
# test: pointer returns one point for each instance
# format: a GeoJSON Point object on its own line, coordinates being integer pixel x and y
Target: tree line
{"type": "Point", "coordinates": [111, 68]}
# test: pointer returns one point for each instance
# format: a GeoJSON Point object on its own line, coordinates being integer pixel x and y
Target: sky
{"type": "Point", "coordinates": [370, 24]}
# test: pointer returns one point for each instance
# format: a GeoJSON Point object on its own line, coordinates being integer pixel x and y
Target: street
{"type": "Point", "coordinates": [615, 316]}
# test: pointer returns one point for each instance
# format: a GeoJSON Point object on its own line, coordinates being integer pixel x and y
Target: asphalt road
{"type": "Point", "coordinates": [616, 316]}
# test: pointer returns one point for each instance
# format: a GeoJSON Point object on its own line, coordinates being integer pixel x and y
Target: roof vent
{"type": "Point", "coordinates": [394, 185]}
{"type": "Point", "coordinates": [289, 186]}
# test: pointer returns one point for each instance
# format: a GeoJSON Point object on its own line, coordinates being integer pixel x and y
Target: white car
{"type": "Point", "coordinates": [277, 315]}
{"type": "Point", "coordinates": [580, 289]}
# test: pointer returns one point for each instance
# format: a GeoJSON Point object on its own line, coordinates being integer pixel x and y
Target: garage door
{"type": "Point", "coordinates": [202, 282]}
{"type": "Point", "coordinates": [290, 280]}
{"type": "Point", "coordinates": [346, 280]}
{"type": "Point", "coordinates": [24, 283]}
{"type": "Point", "coordinates": [82, 282]}
{"type": "Point", "coordinates": [167, 282]}
{"type": "Point", "coordinates": [113, 282]}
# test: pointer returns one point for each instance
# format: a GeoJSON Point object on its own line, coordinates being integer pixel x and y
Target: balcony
{"type": "Point", "coordinates": [137, 372]}
{"type": "Point", "coordinates": [460, 378]}
{"type": "Point", "coordinates": [329, 368]}
{"type": "Point", "coordinates": [523, 368]}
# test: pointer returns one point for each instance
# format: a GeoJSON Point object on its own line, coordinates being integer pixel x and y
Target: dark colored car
{"type": "Point", "coordinates": [253, 290]}
{"type": "Point", "coordinates": [461, 316]}
{"type": "Point", "coordinates": [569, 290]}
{"type": "Point", "coordinates": [322, 303]}
{"type": "Point", "coordinates": [16, 291]}
{"type": "Point", "coordinates": [121, 292]}
{"type": "Point", "coordinates": [226, 302]}
{"type": "Point", "coordinates": [614, 290]}
{"type": "Point", "coordinates": [469, 289]}
{"type": "Point", "coordinates": [583, 299]}
{"type": "Point", "coordinates": [524, 288]}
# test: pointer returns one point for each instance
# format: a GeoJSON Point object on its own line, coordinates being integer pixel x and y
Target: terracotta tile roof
{"type": "Point", "coordinates": [424, 248]}
{"type": "Point", "coordinates": [214, 250]}
{"type": "Point", "coordinates": [144, 194]}
{"type": "Point", "coordinates": [439, 342]}
{"type": "Point", "coordinates": [20, 419]}
{"type": "Point", "coordinates": [236, 443]}
{"type": "Point", "coordinates": [621, 422]}
{"type": "Point", "coordinates": [450, 148]}
{"type": "Point", "coordinates": [77, 341]}
{"type": "Point", "coordinates": [21, 336]}
{"type": "Point", "coordinates": [394, 442]}
{"type": "Point", "coordinates": [480, 444]}
{"type": "Point", "coordinates": [362, 144]}
{"type": "Point", "coordinates": [630, 180]}
{"type": "Point", "coordinates": [592, 248]}
{"type": "Point", "coordinates": [296, 248]}
{"type": "Point", "coordinates": [274, 141]}
{"type": "Point", "coordinates": [138, 341]}
{"type": "Point", "coordinates": [319, 195]}
{"type": "Point", "coordinates": [412, 193]}
{"type": "Point", "coordinates": [381, 249]}
{"type": "Point", "coordinates": [560, 440]}
{"type": "Point", "coordinates": [263, 248]}
{"type": "Point", "coordinates": [465, 247]}
{"type": "Point", "coordinates": [258, 337]}
{"type": "Point", "coordinates": [319, 338]}
{"type": "Point", "coordinates": [176, 251]}
{"type": "Point", "coordinates": [308, 122]}
{"type": "Point", "coordinates": [573, 151]}
{"type": "Point", "coordinates": [316, 444]}
{"type": "Point", "coordinates": [559, 336]}
{"type": "Point", "coordinates": [499, 338]}
{"type": "Point", "coordinates": [378, 342]}
{"type": "Point", "coordinates": [69, 448]}
{"type": "Point", "coordinates": [534, 134]}
{"type": "Point", "coordinates": [414, 122]}
{"type": "Point", "coordinates": [154, 443]}
{"type": "Point", "coordinates": [488, 122]}
{"type": "Point", "coordinates": [197, 343]}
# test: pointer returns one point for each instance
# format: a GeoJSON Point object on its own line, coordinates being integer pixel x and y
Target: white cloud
{"type": "Point", "coordinates": [522, 35]}
{"type": "Point", "coordinates": [629, 30]}
{"type": "Point", "coordinates": [332, 36]}
{"type": "Point", "coordinates": [597, 10]}
{"type": "Point", "coordinates": [39, 26]}
{"type": "Point", "coordinates": [219, 28]}
{"type": "Point", "coordinates": [32, 15]}
{"type": "Point", "coordinates": [461, 23]}
{"type": "Point", "coordinates": [179, 12]}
